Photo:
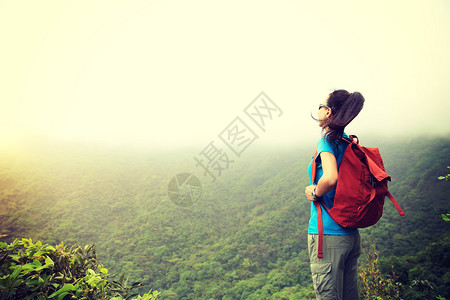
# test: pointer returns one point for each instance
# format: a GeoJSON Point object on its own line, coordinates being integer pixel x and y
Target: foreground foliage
{"type": "Point", "coordinates": [425, 275]}
{"type": "Point", "coordinates": [38, 271]}
{"type": "Point", "coordinates": [373, 283]}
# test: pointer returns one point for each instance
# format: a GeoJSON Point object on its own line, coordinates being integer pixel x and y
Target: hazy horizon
{"type": "Point", "coordinates": [177, 74]}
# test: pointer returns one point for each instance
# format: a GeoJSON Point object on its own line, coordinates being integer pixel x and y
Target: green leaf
{"type": "Point", "coordinates": [40, 252]}
{"type": "Point", "coordinates": [15, 257]}
{"type": "Point", "coordinates": [50, 248]}
{"type": "Point", "coordinates": [64, 290]}
{"type": "Point", "coordinates": [16, 272]}
{"type": "Point", "coordinates": [37, 263]}
{"type": "Point", "coordinates": [49, 262]}
{"type": "Point", "coordinates": [91, 272]}
{"type": "Point", "coordinates": [41, 268]}
{"type": "Point", "coordinates": [62, 295]}
{"type": "Point", "coordinates": [34, 266]}
{"type": "Point", "coordinates": [16, 283]}
{"type": "Point", "coordinates": [33, 282]}
{"type": "Point", "coordinates": [122, 277]}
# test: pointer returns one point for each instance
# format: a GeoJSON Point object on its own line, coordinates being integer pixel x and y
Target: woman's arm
{"type": "Point", "coordinates": [330, 174]}
{"type": "Point", "coordinates": [328, 179]}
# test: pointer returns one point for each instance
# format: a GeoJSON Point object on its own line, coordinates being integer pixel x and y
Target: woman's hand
{"type": "Point", "coordinates": [308, 191]}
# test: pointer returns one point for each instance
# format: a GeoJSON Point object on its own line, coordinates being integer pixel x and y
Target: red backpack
{"type": "Point", "coordinates": [360, 190]}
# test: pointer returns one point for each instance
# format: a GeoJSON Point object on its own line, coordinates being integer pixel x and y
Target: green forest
{"type": "Point", "coordinates": [245, 237]}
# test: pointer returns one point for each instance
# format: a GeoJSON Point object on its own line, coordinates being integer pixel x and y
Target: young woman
{"type": "Point", "coordinates": [335, 275]}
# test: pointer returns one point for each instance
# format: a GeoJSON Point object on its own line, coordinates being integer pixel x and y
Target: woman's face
{"type": "Point", "coordinates": [324, 112]}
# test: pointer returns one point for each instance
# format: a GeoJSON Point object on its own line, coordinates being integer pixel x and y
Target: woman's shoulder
{"type": "Point", "coordinates": [324, 145]}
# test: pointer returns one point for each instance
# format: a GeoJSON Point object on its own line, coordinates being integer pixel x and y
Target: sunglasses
{"type": "Point", "coordinates": [322, 105]}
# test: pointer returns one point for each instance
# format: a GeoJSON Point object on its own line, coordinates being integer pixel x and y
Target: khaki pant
{"type": "Point", "coordinates": [335, 276]}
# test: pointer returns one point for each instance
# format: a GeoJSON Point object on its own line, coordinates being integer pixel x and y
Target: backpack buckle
{"type": "Point", "coordinates": [372, 181]}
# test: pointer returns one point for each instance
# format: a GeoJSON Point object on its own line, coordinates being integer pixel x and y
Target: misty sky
{"type": "Point", "coordinates": [152, 73]}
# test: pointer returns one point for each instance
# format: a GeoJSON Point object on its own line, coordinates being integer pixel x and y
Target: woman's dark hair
{"type": "Point", "coordinates": [345, 107]}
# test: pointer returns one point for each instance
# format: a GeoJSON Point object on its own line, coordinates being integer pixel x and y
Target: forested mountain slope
{"type": "Point", "coordinates": [246, 236]}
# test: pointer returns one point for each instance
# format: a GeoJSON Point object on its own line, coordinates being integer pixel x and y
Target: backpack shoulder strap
{"type": "Point", "coordinates": [319, 211]}
{"type": "Point", "coordinates": [313, 168]}
{"type": "Point", "coordinates": [397, 206]}
{"type": "Point", "coordinates": [320, 229]}
{"type": "Point", "coordinates": [351, 139]}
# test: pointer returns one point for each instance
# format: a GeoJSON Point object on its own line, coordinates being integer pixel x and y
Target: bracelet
{"type": "Point", "coordinates": [315, 197]}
